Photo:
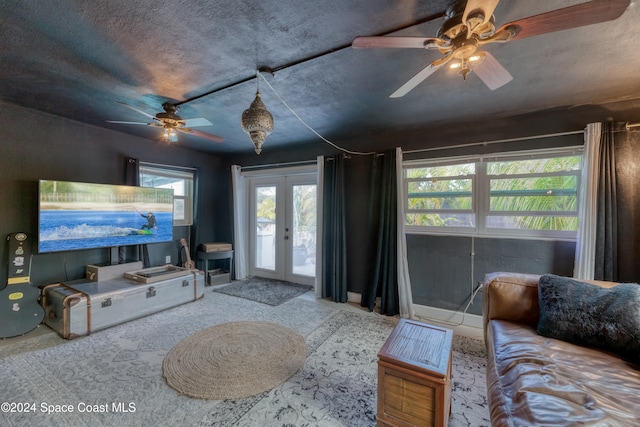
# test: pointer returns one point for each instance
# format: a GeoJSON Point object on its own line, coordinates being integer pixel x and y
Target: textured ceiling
{"type": "Point", "coordinates": [78, 59]}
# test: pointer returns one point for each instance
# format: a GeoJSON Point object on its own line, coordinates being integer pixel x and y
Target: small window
{"type": "Point", "coordinates": [441, 196]}
{"type": "Point", "coordinates": [534, 194]}
{"type": "Point", "coordinates": [182, 183]}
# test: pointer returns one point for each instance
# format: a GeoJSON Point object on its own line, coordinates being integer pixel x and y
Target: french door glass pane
{"type": "Point", "coordinates": [304, 230]}
{"type": "Point", "coordinates": [266, 228]}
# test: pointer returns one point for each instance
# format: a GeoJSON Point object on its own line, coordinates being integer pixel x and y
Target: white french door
{"type": "Point", "coordinates": [282, 241]}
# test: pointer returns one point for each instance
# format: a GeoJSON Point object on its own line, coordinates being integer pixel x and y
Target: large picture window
{"type": "Point", "coordinates": [515, 195]}
{"type": "Point", "coordinates": [182, 183]}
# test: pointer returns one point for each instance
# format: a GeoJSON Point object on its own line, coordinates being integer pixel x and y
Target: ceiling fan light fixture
{"type": "Point", "coordinates": [464, 64]}
{"type": "Point", "coordinates": [171, 123]}
{"type": "Point", "coordinates": [257, 122]}
{"type": "Point", "coordinates": [170, 134]}
{"type": "Point", "coordinates": [464, 72]}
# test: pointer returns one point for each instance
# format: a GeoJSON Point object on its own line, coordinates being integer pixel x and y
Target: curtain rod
{"type": "Point", "coordinates": [277, 165]}
{"type": "Point", "coordinates": [497, 141]}
{"type": "Point", "coordinates": [347, 156]}
{"type": "Point", "coordinates": [628, 125]}
{"type": "Point", "coordinates": [186, 168]}
{"type": "Point", "coordinates": [309, 162]}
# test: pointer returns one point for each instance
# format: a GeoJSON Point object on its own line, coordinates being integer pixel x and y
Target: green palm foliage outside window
{"type": "Point", "coordinates": [540, 194]}
{"type": "Point", "coordinates": [524, 195]}
{"type": "Point", "coordinates": [441, 195]}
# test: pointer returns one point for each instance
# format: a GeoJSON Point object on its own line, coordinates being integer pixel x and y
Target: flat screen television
{"type": "Point", "coordinates": [75, 215]}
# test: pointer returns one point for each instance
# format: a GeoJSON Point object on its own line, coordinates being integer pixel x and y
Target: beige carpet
{"type": "Point", "coordinates": [234, 360]}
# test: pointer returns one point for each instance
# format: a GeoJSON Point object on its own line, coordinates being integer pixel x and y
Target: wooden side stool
{"type": "Point", "coordinates": [414, 376]}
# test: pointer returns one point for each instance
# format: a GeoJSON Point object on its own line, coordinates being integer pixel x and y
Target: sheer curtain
{"type": "Point", "coordinates": [584, 267]}
{"type": "Point", "coordinates": [240, 222]}
{"type": "Point", "coordinates": [405, 296]}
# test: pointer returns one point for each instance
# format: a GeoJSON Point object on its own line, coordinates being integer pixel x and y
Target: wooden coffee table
{"type": "Point", "coordinates": [414, 376]}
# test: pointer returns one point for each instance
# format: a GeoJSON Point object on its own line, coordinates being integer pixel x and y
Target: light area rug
{"type": "Point", "coordinates": [266, 291]}
{"type": "Point", "coordinates": [114, 377]}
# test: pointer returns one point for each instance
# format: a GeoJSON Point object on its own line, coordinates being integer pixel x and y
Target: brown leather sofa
{"type": "Point", "coordinates": [536, 381]}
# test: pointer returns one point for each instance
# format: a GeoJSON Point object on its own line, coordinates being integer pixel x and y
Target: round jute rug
{"type": "Point", "coordinates": [234, 360]}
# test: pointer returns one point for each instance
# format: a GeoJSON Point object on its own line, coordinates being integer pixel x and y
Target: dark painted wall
{"type": "Point", "coordinates": [37, 146]}
{"type": "Point", "coordinates": [445, 270]}
{"type": "Point", "coordinates": [440, 267]}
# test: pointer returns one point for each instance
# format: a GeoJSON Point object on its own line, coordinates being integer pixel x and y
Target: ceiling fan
{"type": "Point", "coordinates": [172, 123]}
{"type": "Point", "coordinates": [470, 26]}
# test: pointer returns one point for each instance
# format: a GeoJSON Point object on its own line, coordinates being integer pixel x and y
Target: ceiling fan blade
{"type": "Point", "coordinates": [491, 72]}
{"type": "Point", "coordinates": [128, 123]}
{"type": "Point", "coordinates": [394, 42]}
{"type": "Point", "coordinates": [135, 109]}
{"type": "Point", "coordinates": [485, 6]}
{"type": "Point", "coordinates": [201, 121]}
{"type": "Point", "coordinates": [592, 12]}
{"type": "Point", "coordinates": [194, 132]}
{"type": "Point", "coordinates": [420, 77]}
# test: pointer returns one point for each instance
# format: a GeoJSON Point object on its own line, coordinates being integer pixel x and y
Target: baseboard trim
{"type": "Point", "coordinates": [438, 314]}
{"type": "Point", "coordinates": [448, 316]}
{"type": "Point", "coordinates": [354, 297]}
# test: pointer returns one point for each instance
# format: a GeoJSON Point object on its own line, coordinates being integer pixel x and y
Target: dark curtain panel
{"type": "Point", "coordinates": [334, 239]}
{"type": "Point", "coordinates": [607, 227]}
{"type": "Point", "coordinates": [385, 282]}
{"type": "Point", "coordinates": [132, 177]}
{"type": "Point", "coordinates": [627, 155]}
{"type": "Point", "coordinates": [131, 171]}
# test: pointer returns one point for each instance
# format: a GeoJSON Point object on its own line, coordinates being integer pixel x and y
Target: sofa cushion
{"type": "Point", "coordinates": [538, 381]}
{"type": "Point", "coordinates": [586, 314]}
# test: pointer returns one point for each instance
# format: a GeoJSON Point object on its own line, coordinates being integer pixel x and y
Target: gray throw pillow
{"type": "Point", "coordinates": [586, 314]}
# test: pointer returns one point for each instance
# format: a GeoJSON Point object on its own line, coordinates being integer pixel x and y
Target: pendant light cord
{"type": "Point", "coordinates": [309, 127]}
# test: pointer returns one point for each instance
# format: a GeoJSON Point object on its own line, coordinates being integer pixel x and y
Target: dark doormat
{"type": "Point", "coordinates": [266, 291]}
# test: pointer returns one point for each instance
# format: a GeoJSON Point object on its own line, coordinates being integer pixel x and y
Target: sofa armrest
{"type": "Point", "coordinates": [510, 296]}
{"type": "Point", "coordinates": [514, 297]}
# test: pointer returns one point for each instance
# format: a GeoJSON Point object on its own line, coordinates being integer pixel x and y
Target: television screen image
{"type": "Point", "coordinates": [74, 215]}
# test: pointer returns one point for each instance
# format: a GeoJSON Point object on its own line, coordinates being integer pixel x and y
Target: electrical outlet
{"type": "Point", "coordinates": [168, 259]}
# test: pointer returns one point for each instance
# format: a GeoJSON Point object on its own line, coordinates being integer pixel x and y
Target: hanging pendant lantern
{"type": "Point", "coordinates": [257, 121]}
